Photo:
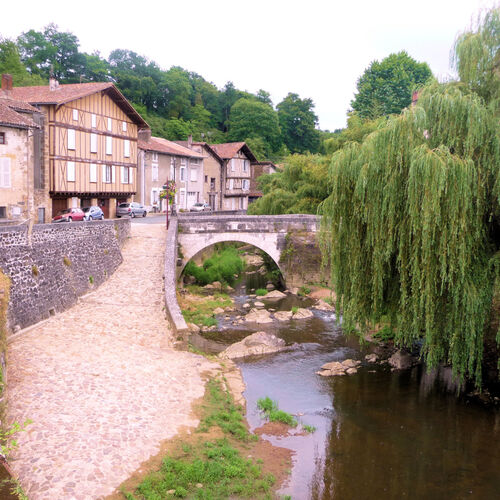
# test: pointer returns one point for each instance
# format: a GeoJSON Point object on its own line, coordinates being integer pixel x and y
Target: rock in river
{"type": "Point", "coordinates": [255, 344]}
{"type": "Point", "coordinates": [275, 294]}
{"type": "Point", "coordinates": [321, 305]}
{"type": "Point", "coordinates": [283, 315]}
{"type": "Point", "coordinates": [259, 304]}
{"type": "Point", "coordinates": [302, 314]}
{"type": "Point", "coordinates": [218, 310]}
{"type": "Point", "coordinates": [400, 360]}
{"type": "Point", "coordinates": [259, 316]}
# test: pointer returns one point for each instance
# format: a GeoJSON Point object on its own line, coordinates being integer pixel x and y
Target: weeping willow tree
{"type": "Point", "coordinates": [411, 227]}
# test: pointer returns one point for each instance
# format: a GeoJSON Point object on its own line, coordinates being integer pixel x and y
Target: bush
{"type": "Point", "coordinates": [222, 266]}
{"type": "Point", "coordinates": [260, 292]}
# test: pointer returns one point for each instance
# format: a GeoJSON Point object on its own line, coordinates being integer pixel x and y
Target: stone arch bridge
{"type": "Point", "coordinates": [290, 240]}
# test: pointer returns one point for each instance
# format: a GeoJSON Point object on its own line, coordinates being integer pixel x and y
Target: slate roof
{"type": "Point", "coordinates": [160, 145]}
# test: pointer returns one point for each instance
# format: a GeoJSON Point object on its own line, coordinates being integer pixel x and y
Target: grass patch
{"type": "Point", "coordinates": [309, 428]}
{"type": "Point", "coordinates": [66, 261]}
{"type": "Point", "coordinates": [260, 292]}
{"type": "Point", "coordinates": [303, 291]}
{"type": "Point", "coordinates": [273, 413]}
{"type": "Point", "coordinates": [199, 310]}
{"type": "Point", "coordinates": [295, 309]}
{"type": "Point", "coordinates": [210, 469]}
{"type": "Point", "coordinates": [221, 266]}
{"type": "Point", "coordinates": [385, 334]}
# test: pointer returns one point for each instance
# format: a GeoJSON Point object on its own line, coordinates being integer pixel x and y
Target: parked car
{"type": "Point", "coordinates": [200, 207]}
{"type": "Point", "coordinates": [69, 215]}
{"type": "Point", "coordinates": [93, 213]}
{"type": "Point", "coordinates": [133, 209]}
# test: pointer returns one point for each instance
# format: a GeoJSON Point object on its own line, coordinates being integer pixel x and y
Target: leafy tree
{"type": "Point", "coordinates": [298, 124]}
{"type": "Point", "coordinates": [264, 97]}
{"type": "Point", "coordinates": [250, 118]}
{"type": "Point", "coordinates": [411, 226]}
{"type": "Point", "coordinates": [95, 68]}
{"type": "Point", "coordinates": [386, 87]}
{"type": "Point", "coordinates": [52, 51]}
{"type": "Point", "coordinates": [10, 62]}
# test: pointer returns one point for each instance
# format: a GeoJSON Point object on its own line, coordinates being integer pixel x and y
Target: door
{"type": "Point", "coordinates": [58, 204]}
{"type": "Point", "coordinates": [104, 204]}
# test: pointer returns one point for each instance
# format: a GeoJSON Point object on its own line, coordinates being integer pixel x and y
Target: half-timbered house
{"type": "Point", "coordinates": [90, 143]}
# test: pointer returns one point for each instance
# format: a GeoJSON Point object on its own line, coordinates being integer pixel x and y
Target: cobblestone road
{"type": "Point", "coordinates": [101, 382]}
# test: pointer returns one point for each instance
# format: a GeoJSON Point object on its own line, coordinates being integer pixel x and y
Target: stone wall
{"type": "Point", "coordinates": [55, 264]}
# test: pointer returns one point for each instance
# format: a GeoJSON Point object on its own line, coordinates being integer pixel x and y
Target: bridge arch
{"type": "Point", "coordinates": [192, 246]}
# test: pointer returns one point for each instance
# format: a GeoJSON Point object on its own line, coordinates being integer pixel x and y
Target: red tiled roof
{"type": "Point", "coordinates": [230, 150]}
{"type": "Point", "coordinates": [11, 118]}
{"type": "Point", "coordinates": [18, 105]}
{"type": "Point", "coordinates": [72, 91]}
{"type": "Point", "coordinates": [165, 146]}
{"type": "Point", "coordinates": [203, 145]}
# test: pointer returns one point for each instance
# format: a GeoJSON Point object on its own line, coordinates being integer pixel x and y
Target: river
{"type": "Point", "coordinates": [380, 434]}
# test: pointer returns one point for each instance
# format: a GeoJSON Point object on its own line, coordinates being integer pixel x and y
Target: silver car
{"type": "Point", "coordinates": [132, 209]}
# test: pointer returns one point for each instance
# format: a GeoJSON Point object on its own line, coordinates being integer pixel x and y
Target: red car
{"type": "Point", "coordinates": [69, 215]}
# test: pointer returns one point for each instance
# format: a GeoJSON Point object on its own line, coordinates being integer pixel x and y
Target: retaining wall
{"type": "Point", "coordinates": [55, 264]}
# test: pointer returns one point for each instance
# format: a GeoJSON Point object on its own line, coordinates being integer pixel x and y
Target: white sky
{"type": "Point", "coordinates": [316, 48]}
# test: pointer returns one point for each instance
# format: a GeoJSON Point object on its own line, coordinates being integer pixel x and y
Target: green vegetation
{"type": "Point", "coordinates": [385, 334]}
{"type": "Point", "coordinates": [309, 428]}
{"type": "Point", "coordinates": [303, 291]}
{"type": "Point", "coordinates": [91, 280]}
{"type": "Point", "coordinates": [260, 292]}
{"type": "Point", "coordinates": [66, 261]}
{"type": "Point", "coordinates": [7, 442]}
{"type": "Point", "coordinates": [411, 226]}
{"type": "Point", "coordinates": [201, 311]}
{"type": "Point", "coordinates": [210, 469]}
{"type": "Point", "coordinates": [34, 270]}
{"type": "Point", "coordinates": [221, 266]}
{"type": "Point", "coordinates": [295, 309]}
{"type": "Point", "coordinates": [273, 413]}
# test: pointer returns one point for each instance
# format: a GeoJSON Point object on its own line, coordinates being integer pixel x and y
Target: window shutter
{"type": "Point", "coordinates": [126, 148]}
{"type": "Point", "coordinates": [104, 173]}
{"type": "Point", "coordinates": [75, 114]}
{"type": "Point", "coordinates": [130, 175]}
{"type": "Point", "coordinates": [70, 171]}
{"type": "Point", "coordinates": [5, 172]}
{"type": "Point", "coordinates": [110, 124]}
{"type": "Point", "coordinates": [93, 172]}
{"type": "Point", "coordinates": [109, 145]}
{"type": "Point", "coordinates": [93, 121]}
{"type": "Point", "coordinates": [113, 174]}
{"type": "Point", "coordinates": [93, 143]}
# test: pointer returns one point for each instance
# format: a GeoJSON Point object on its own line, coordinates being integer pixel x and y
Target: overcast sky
{"type": "Point", "coordinates": [316, 48]}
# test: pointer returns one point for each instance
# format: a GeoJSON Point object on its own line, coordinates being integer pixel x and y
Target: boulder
{"type": "Point", "coordinates": [256, 344]}
{"type": "Point", "coordinates": [229, 289]}
{"type": "Point", "coordinates": [258, 303]}
{"type": "Point", "coordinates": [246, 306]}
{"type": "Point", "coordinates": [259, 316]}
{"type": "Point", "coordinates": [331, 373]}
{"type": "Point", "coordinates": [275, 294]}
{"type": "Point", "coordinates": [350, 363]}
{"type": "Point", "coordinates": [218, 310]}
{"type": "Point", "coordinates": [321, 305]}
{"type": "Point", "coordinates": [283, 315]}
{"type": "Point", "coordinates": [400, 360]}
{"type": "Point", "coordinates": [253, 260]}
{"type": "Point", "coordinates": [293, 290]}
{"type": "Point", "coordinates": [333, 365]}
{"type": "Point", "coordinates": [217, 285]}
{"type": "Point", "coordinates": [210, 286]}
{"type": "Point", "coordinates": [302, 314]}
{"type": "Point", "coordinates": [229, 309]}
{"type": "Point", "coordinates": [371, 358]}
{"type": "Point", "coordinates": [193, 328]}
{"type": "Point", "coordinates": [270, 286]}
{"type": "Point", "coordinates": [351, 371]}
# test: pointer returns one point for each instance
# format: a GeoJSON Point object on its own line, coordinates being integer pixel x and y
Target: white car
{"type": "Point", "coordinates": [201, 207]}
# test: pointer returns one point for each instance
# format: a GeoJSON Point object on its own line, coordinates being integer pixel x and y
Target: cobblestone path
{"type": "Point", "coordinates": [101, 382]}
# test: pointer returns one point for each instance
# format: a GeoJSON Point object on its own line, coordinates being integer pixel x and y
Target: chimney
{"type": "Point", "coordinates": [53, 84]}
{"type": "Point", "coordinates": [190, 142]}
{"type": "Point", "coordinates": [6, 83]}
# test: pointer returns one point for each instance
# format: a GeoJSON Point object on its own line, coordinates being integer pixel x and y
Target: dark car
{"type": "Point", "coordinates": [69, 215]}
{"type": "Point", "coordinates": [93, 213]}
{"type": "Point", "coordinates": [132, 209]}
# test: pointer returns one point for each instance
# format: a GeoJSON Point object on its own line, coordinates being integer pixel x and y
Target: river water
{"type": "Point", "coordinates": [380, 434]}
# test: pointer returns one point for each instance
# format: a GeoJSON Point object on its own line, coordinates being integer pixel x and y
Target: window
{"type": "Point", "coordinates": [70, 171]}
{"type": "Point", "coordinates": [124, 175]}
{"type": "Point", "coordinates": [3, 212]}
{"type": "Point", "coordinates": [231, 184]}
{"type": "Point", "coordinates": [93, 172]}
{"type": "Point", "coordinates": [4, 172]}
{"type": "Point", "coordinates": [154, 172]}
{"type": "Point", "coordinates": [41, 215]}
{"type": "Point", "coordinates": [194, 175]}
{"type": "Point", "coordinates": [212, 183]}
{"type": "Point", "coordinates": [93, 121]}
{"type": "Point", "coordinates": [172, 168]}
{"type": "Point", "coordinates": [206, 178]}
{"type": "Point", "coordinates": [154, 156]}
{"type": "Point", "coordinates": [109, 145]}
{"type": "Point", "coordinates": [183, 173]}
{"type": "Point", "coordinates": [110, 124]}
{"type": "Point", "coordinates": [233, 165]}
{"type": "Point", "coordinates": [154, 196]}
{"type": "Point", "coordinates": [93, 143]}
{"type": "Point", "coordinates": [126, 148]}
{"type": "Point", "coordinates": [245, 185]}
{"type": "Point", "coordinates": [124, 126]}
{"type": "Point", "coordinates": [2, 138]}
{"type": "Point", "coordinates": [245, 165]}
{"type": "Point", "coordinates": [241, 203]}
{"type": "Point", "coordinates": [71, 139]}
{"type": "Point", "coordinates": [75, 115]}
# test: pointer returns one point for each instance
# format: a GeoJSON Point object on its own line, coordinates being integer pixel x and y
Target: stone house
{"type": "Point", "coordinates": [21, 196]}
{"type": "Point", "coordinates": [160, 160]}
{"type": "Point", "coordinates": [90, 134]}
{"type": "Point", "coordinates": [235, 174]}
{"type": "Point", "coordinates": [259, 168]}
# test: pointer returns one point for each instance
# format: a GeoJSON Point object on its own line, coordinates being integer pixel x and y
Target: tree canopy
{"type": "Point", "coordinates": [386, 87]}
{"type": "Point", "coordinates": [412, 227]}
